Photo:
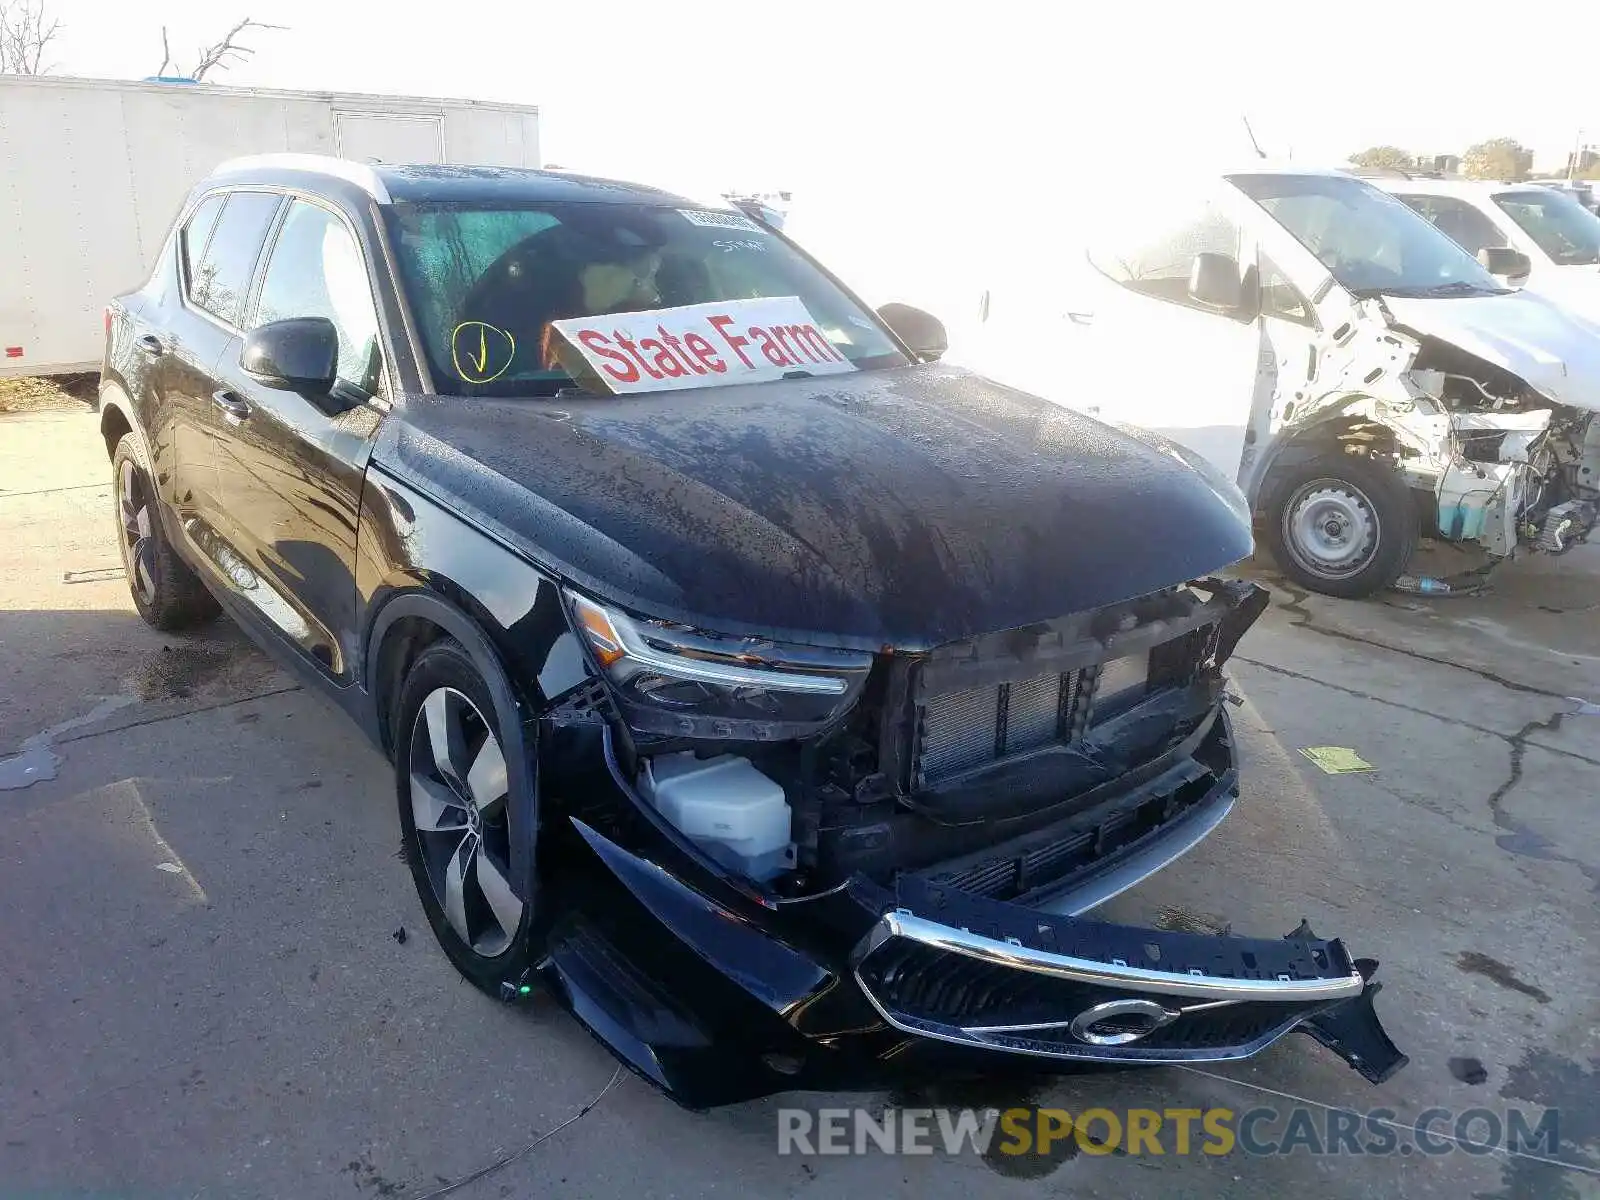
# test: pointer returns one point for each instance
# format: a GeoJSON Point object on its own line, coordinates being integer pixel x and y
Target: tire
{"type": "Point", "coordinates": [1342, 525]}
{"type": "Point", "coordinates": [167, 593]}
{"type": "Point", "coordinates": [456, 818]}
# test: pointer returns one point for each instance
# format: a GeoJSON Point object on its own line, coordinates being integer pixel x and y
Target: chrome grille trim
{"type": "Point", "coordinates": [1139, 980]}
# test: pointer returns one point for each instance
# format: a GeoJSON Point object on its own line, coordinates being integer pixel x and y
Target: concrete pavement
{"type": "Point", "coordinates": [203, 993]}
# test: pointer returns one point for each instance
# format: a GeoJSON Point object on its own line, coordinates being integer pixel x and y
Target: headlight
{"type": "Point", "coordinates": [671, 679]}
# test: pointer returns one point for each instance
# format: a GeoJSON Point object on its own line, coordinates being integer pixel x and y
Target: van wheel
{"type": "Point", "coordinates": [168, 595]}
{"type": "Point", "coordinates": [457, 819]}
{"type": "Point", "coordinates": [1342, 526]}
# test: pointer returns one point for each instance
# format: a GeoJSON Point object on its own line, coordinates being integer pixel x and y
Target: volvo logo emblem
{"type": "Point", "coordinates": [1119, 1022]}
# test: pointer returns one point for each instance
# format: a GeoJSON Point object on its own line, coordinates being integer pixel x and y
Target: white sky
{"type": "Point", "coordinates": [880, 94]}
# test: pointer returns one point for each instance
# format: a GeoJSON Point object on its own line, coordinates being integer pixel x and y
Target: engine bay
{"type": "Point", "coordinates": [1063, 741]}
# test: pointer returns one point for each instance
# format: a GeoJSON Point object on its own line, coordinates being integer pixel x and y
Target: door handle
{"type": "Point", "coordinates": [151, 345]}
{"type": "Point", "coordinates": [231, 403]}
{"type": "Point", "coordinates": [1081, 318]}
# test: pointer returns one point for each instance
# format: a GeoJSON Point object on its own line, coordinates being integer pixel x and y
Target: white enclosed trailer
{"type": "Point", "coordinates": [92, 172]}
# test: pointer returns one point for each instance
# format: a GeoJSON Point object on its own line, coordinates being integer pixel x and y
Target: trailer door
{"type": "Point", "coordinates": [389, 137]}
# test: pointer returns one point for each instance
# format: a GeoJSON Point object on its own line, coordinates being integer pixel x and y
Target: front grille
{"type": "Point", "coordinates": [931, 988]}
{"type": "Point", "coordinates": [960, 731]}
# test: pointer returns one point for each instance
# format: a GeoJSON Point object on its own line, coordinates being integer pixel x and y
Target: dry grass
{"type": "Point", "coordinates": [60, 393]}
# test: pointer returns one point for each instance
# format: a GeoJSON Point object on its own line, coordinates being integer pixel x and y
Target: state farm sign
{"type": "Point", "coordinates": [699, 345]}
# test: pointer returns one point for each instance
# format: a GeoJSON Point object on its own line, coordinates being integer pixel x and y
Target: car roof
{"type": "Point", "coordinates": [389, 183]}
{"type": "Point", "coordinates": [1450, 187]}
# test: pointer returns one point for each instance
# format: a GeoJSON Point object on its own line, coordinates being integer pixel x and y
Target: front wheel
{"type": "Point", "coordinates": [1343, 526]}
{"type": "Point", "coordinates": [457, 819]}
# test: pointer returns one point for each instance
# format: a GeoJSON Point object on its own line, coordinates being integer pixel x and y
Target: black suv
{"type": "Point", "coordinates": [776, 694]}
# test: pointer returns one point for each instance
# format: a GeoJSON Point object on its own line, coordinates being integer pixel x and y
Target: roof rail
{"type": "Point", "coordinates": [360, 174]}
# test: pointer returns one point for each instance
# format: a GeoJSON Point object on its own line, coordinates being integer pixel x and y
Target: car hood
{"type": "Point", "coordinates": [1549, 348]}
{"type": "Point", "coordinates": [903, 508]}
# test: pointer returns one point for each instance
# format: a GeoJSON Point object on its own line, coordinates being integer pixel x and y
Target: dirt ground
{"type": "Point", "coordinates": [63, 393]}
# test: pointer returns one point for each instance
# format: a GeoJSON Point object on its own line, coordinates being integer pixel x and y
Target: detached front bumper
{"type": "Point", "coordinates": [998, 977]}
{"type": "Point", "coordinates": [717, 1001]}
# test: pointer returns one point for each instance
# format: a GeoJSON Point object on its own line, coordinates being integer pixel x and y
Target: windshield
{"type": "Point", "coordinates": [1564, 229]}
{"type": "Point", "coordinates": [486, 282]}
{"type": "Point", "coordinates": [1371, 241]}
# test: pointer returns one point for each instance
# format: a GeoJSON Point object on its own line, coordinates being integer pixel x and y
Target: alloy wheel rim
{"type": "Point", "coordinates": [138, 548]}
{"type": "Point", "coordinates": [1331, 528]}
{"type": "Point", "coordinates": [459, 803]}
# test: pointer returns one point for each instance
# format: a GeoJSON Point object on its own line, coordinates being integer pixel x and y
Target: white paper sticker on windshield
{"type": "Point", "coordinates": [711, 219]}
{"type": "Point", "coordinates": [698, 345]}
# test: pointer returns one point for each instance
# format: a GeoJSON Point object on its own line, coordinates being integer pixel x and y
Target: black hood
{"type": "Point", "coordinates": [905, 508]}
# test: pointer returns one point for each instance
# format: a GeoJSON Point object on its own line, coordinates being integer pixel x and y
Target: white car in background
{"type": "Point", "coordinates": [1356, 373]}
{"type": "Point", "coordinates": [1560, 237]}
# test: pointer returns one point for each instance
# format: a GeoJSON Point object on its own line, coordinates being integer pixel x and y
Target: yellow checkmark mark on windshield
{"type": "Point", "coordinates": [475, 365]}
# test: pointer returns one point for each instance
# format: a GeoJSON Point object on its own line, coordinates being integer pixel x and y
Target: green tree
{"type": "Point", "coordinates": [1376, 158]}
{"type": "Point", "coordinates": [1498, 158]}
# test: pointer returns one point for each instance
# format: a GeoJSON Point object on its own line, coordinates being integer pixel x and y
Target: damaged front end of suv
{"type": "Point", "coordinates": [837, 866]}
{"type": "Point", "coordinates": [952, 813]}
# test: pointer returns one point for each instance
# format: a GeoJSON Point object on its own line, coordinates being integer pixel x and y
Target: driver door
{"type": "Point", "coordinates": [292, 465]}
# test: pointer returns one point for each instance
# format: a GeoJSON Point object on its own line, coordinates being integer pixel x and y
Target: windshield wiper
{"type": "Point", "coordinates": [1459, 287]}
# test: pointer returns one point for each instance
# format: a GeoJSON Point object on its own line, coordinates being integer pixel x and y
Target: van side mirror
{"type": "Point", "coordinates": [1504, 263]}
{"type": "Point", "coordinates": [922, 332]}
{"type": "Point", "coordinates": [300, 354]}
{"type": "Point", "coordinates": [1214, 281]}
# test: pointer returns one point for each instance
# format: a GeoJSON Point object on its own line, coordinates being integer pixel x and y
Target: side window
{"type": "Point", "coordinates": [315, 270]}
{"type": "Point", "coordinates": [222, 280]}
{"type": "Point", "coordinates": [1280, 298]}
{"type": "Point", "coordinates": [1468, 227]}
{"type": "Point", "coordinates": [197, 232]}
{"type": "Point", "coordinates": [1154, 256]}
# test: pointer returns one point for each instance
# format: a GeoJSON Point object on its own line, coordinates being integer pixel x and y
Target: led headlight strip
{"type": "Point", "coordinates": [618, 641]}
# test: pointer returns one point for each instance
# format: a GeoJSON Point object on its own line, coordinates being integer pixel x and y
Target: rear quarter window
{"type": "Point", "coordinates": [197, 232]}
{"type": "Point", "coordinates": [221, 278]}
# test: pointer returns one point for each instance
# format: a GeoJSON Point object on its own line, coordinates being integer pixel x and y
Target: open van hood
{"type": "Point", "coordinates": [1551, 350]}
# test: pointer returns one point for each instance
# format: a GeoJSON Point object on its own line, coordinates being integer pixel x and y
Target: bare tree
{"type": "Point", "coordinates": [25, 34]}
{"type": "Point", "coordinates": [216, 57]}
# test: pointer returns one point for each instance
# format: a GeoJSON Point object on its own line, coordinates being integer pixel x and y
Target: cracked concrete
{"type": "Point", "coordinates": [248, 1026]}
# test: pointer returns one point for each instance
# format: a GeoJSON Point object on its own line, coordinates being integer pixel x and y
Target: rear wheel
{"type": "Point", "coordinates": [1342, 526]}
{"type": "Point", "coordinates": [457, 818]}
{"type": "Point", "coordinates": [166, 592]}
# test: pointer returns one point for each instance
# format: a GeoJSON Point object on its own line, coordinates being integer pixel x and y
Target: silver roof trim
{"type": "Point", "coordinates": [363, 176]}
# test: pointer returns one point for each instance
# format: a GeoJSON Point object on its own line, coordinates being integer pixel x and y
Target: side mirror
{"type": "Point", "coordinates": [300, 354]}
{"type": "Point", "coordinates": [1505, 263]}
{"type": "Point", "coordinates": [922, 331]}
{"type": "Point", "coordinates": [1214, 281]}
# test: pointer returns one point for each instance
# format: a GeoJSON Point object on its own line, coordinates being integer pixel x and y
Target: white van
{"type": "Point", "coordinates": [1560, 237]}
{"type": "Point", "coordinates": [1359, 375]}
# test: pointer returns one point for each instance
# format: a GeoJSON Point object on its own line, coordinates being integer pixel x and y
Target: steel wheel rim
{"type": "Point", "coordinates": [1331, 528]}
{"type": "Point", "coordinates": [138, 548]}
{"type": "Point", "coordinates": [459, 808]}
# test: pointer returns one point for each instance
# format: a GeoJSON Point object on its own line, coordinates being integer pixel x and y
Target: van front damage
{"type": "Point", "coordinates": [1415, 393]}
{"type": "Point", "coordinates": [1497, 440]}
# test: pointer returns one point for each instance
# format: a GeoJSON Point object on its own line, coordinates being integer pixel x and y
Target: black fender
{"type": "Point", "coordinates": [518, 728]}
{"type": "Point", "coordinates": [113, 397]}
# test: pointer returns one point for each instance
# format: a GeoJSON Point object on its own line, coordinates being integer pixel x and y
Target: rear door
{"type": "Point", "coordinates": [292, 465]}
{"type": "Point", "coordinates": [222, 241]}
